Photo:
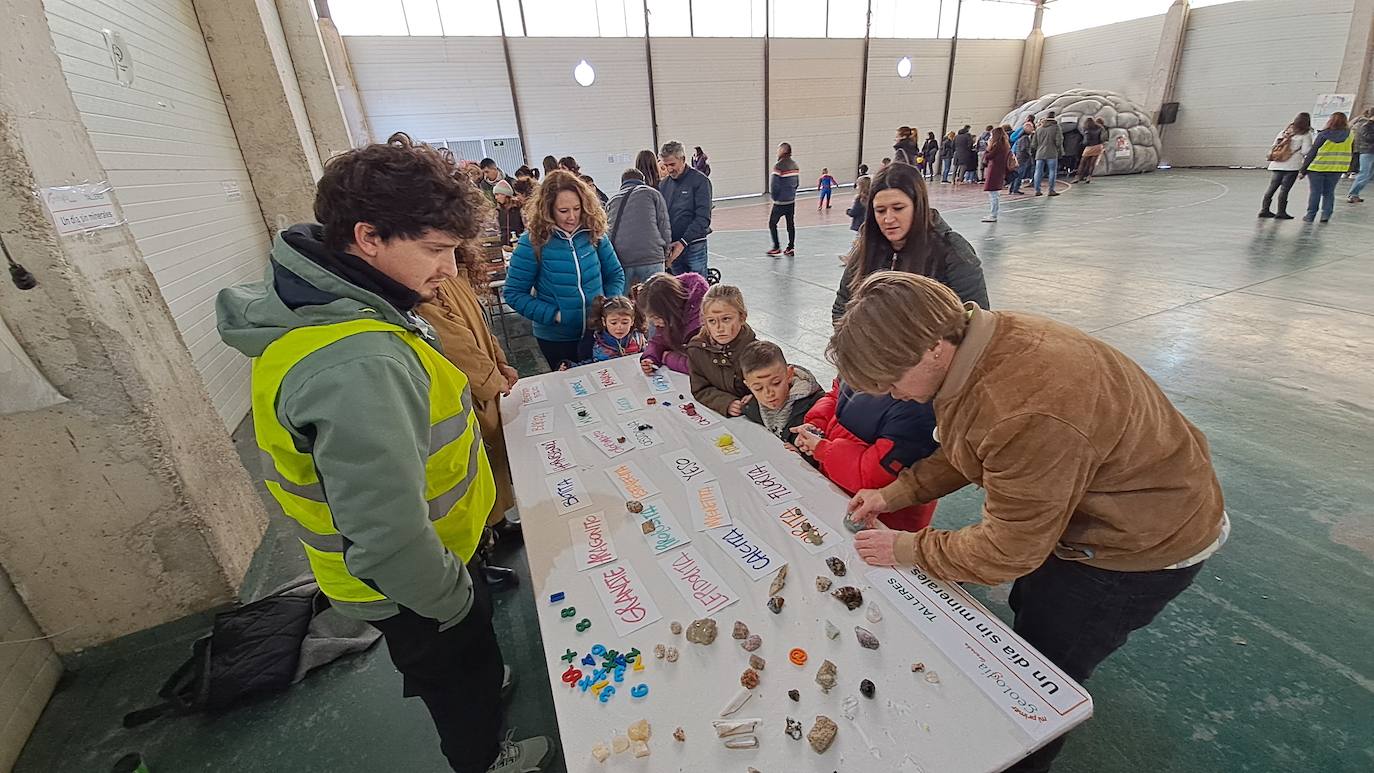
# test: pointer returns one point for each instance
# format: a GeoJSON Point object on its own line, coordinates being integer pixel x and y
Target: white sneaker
{"type": "Point", "coordinates": [527, 756]}
{"type": "Point", "coordinates": [989, 220]}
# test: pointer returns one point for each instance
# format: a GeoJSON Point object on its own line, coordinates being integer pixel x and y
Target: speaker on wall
{"type": "Point", "coordinates": [1168, 113]}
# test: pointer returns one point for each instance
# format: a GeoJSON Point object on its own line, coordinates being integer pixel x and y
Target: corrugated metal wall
{"type": "Point", "coordinates": [1247, 69]}
{"type": "Point", "coordinates": [985, 73]}
{"type": "Point", "coordinates": [814, 104]}
{"type": "Point", "coordinates": [1117, 57]}
{"type": "Point", "coordinates": [172, 157]}
{"type": "Point", "coordinates": [893, 101]}
{"type": "Point", "coordinates": [28, 673]}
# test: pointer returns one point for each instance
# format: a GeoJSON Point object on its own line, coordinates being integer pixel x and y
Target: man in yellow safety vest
{"type": "Point", "coordinates": [368, 436]}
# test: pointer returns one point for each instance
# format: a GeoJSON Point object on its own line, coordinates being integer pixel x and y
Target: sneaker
{"type": "Point", "coordinates": [1267, 213]}
{"type": "Point", "coordinates": [1355, 200]}
{"type": "Point", "coordinates": [1283, 216]}
{"type": "Point", "coordinates": [1307, 219]}
{"type": "Point", "coordinates": [499, 578]}
{"type": "Point", "coordinates": [1038, 193]}
{"type": "Point", "coordinates": [775, 252]}
{"type": "Point", "coordinates": [989, 220]}
{"type": "Point", "coordinates": [789, 252]}
{"type": "Point", "coordinates": [1054, 193]}
{"type": "Point", "coordinates": [527, 756]}
{"type": "Point", "coordinates": [507, 683]}
{"type": "Point", "coordinates": [1326, 220]}
{"type": "Point", "coordinates": [509, 534]}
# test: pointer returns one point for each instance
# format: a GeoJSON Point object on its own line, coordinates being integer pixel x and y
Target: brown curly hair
{"type": "Point", "coordinates": [539, 217]}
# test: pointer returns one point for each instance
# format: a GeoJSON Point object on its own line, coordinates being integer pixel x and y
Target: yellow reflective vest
{"type": "Point", "coordinates": [459, 487]}
{"type": "Point", "coordinates": [1333, 156]}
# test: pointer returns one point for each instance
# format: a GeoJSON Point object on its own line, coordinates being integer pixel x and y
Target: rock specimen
{"type": "Point", "coordinates": [634, 505]}
{"type": "Point", "coordinates": [639, 731]}
{"type": "Point", "coordinates": [837, 567]}
{"type": "Point", "coordinates": [742, 742]}
{"type": "Point", "coordinates": [848, 595]}
{"type": "Point", "coordinates": [640, 748]}
{"type": "Point", "coordinates": [918, 667]}
{"type": "Point", "coordinates": [822, 733]}
{"type": "Point", "coordinates": [866, 638]}
{"type": "Point", "coordinates": [823, 584]}
{"type": "Point", "coordinates": [648, 527]}
{"type": "Point", "coordinates": [752, 643]}
{"type": "Point", "coordinates": [742, 727]}
{"type": "Point", "coordinates": [741, 631]}
{"type": "Point", "coordinates": [779, 580]}
{"type": "Point", "coordinates": [750, 679]}
{"type": "Point", "coordinates": [794, 729]}
{"type": "Point", "coordinates": [831, 632]}
{"type": "Point", "coordinates": [703, 631]}
{"type": "Point", "coordinates": [671, 654]}
{"type": "Point", "coordinates": [775, 604]}
{"type": "Point", "coordinates": [756, 662]}
{"type": "Point", "coordinates": [660, 651]}
{"type": "Point", "coordinates": [866, 688]}
{"type": "Point", "coordinates": [873, 613]}
{"type": "Point", "coordinates": [619, 744]}
{"type": "Point", "coordinates": [679, 736]}
{"type": "Point", "coordinates": [736, 702]}
{"type": "Point", "coordinates": [794, 695]}
{"type": "Point", "coordinates": [600, 751]}
{"type": "Point", "coordinates": [675, 628]}
{"type": "Point", "coordinates": [825, 676]}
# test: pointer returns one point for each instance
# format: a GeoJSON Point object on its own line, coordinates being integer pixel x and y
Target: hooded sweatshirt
{"type": "Point", "coordinates": [1324, 136]}
{"type": "Point", "coordinates": [660, 348]}
{"type": "Point", "coordinates": [803, 394]}
{"type": "Point", "coordinates": [360, 406]}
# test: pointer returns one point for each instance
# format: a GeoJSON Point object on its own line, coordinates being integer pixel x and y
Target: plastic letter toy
{"type": "Point", "coordinates": [583, 625]}
{"type": "Point", "coordinates": [599, 686]}
{"type": "Point", "coordinates": [598, 650]}
{"type": "Point", "coordinates": [619, 674]}
{"type": "Point", "coordinates": [556, 597]}
{"type": "Point", "coordinates": [569, 656]}
{"type": "Point", "coordinates": [606, 694]}
{"type": "Point", "coordinates": [639, 690]}
{"type": "Point", "coordinates": [569, 612]}
{"type": "Point", "coordinates": [639, 664]}
{"type": "Point", "coordinates": [589, 661]}
{"type": "Point", "coordinates": [571, 676]}
{"type": "Point", "coordinates": [584, 683]}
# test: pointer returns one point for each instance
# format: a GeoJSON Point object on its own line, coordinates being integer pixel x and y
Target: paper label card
{"type": "Point", "coordinates": [580, 387]}
{"type": "Point", "coordinates": [611, 444]}
{"type": "Point", "coordinates": [769, 483]}
{"type": "Point", "coordinates": [642, 438]}
{"type": "Point", "coordinates": [582, 414]}
{"type": "Point", "coordinates": [697, 416]}
{"type": "Point", "coordinates": [605, 378]}
{"type": "Point", "coordinates": [708, 506]}
{"type": "Point", "coordinates": [568, 492]}
{"type": "Point", "coordinates": [795, 517]}
{"type": "Point", "coordinates": [631, 481]}
{"type": "Point", "coordinates": [659, 383]}
{"type": "Point", "coordinates": [726, 444]}
{"type": "Point", "coordinates": [665, 533]}
{"type": "Point", "coordinates": [623, 402]}
{"type": "Point", "coordinates": [698, 583]}
{"type": "Point", "coordinates": [533, 393]}
{"type": "Point", "coordinates": [625, 598]}
{"type": "Point", "coordinates": [687, 467]}
{"type": "Point", "coordinates": [554, 454]}
{"type": "Point", "coordinates": [756, 557]}
{"type": "Point", "coordinates": [591, 543]}
{"type": "Point", "coordinates": [539, 423]}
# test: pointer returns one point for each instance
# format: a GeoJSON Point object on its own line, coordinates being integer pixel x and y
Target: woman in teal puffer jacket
{"type": "Point", "coordinates": [561, 264]}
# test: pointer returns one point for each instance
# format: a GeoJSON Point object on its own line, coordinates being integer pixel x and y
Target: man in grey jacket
{"type": "Point", "coordinates": [1049, 146]}
{"type": "Point", "coordinates": [640, 228]}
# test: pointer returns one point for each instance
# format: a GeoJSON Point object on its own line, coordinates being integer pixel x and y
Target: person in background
{"type": "Point", "coordinates": [373, 451]}
{"type": "Point", "coordinates": [647, 164]}
{"type": "Point", "coordinates": [824, 184]}
{"type": "Point", "coordinates": [549, 163]}
{"type": "Point", "coordinates": [997, 161]}
{"type": "Point", "coordinates": [1073, 149]}
{"type": "Point", "coordinates": [859, 209]}
{"type": "Point", "coordinates": [508, 215]}
{"type": "Point", "coordinates": [700, 162]}
{"type": "Point", "coordinates": [639, 227]}
{"type": "Point", "coordinates": [1286, 158]}
{"type": "Point", "coordinates": [687, 193]}
{"type": "Point", "coordinates": [600, 197]}
{"type": "Point", "coordinates": [904, 150]}
{"type": "Point", "coordinates": [863, 172]}
{"type": "Point", "coordinates": [1329, 158]}
{"type": "Point", "coordinates": [561, 264]}
{"type": "Point", "coordinates": [1094, 137]}
{"type": "Point", "coordinates": [886, 162]}
{"type": "Point", "coordinates": [782, 190]}
{"type": "Point", "coordinates": [525, 173]}
{"type": "Point", "coordinates": [1025, 157]}
{"type": "Point", "coordinates": [903, 233]}
{"type": "Point", "coordinates": [713, 353]}
{"type": "Point", "coordinates": [782, 393]}
{"type": "Point", "coordinates": [930, 150]}
{"type": "Point", "coordinates": [965, 157]}
{"type": "Point", "coordinates": [672, 304]}
{"type": "Point", "coordinates": [491, 174]}
{"type": "Point", "coordinates": [1363, 148]}
{"type": "Point", "coordinates": [982, 148]}
{"type": "Point", "coordinates": [946, 157]}
{"type": "Point", "coordinates": [1049, 146]}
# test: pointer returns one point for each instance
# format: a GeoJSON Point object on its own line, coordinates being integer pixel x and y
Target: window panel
{"type": "Point", "coordinates": [798, 19]}
{"type": "Point", "coordinates": [562, 18]}
{"type": "Point", "coordinates": [368, 17]}
{"type": "Point", "coordinates": [725, 19]}
{"type": "Point", "coordinates": [669, 18]}
{"type": "Point", "coordinates": [510, 11]}
{"type": "Point", "coordinates": [461, 18]}
{"type": "Point", "coordinates": [422, 17]}
{"type": "Point", "coordinates": [847, 18]}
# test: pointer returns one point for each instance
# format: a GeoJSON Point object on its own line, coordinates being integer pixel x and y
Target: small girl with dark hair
{"type": "Point", "coordinates": [617, 330]}
{"type": "Point", "coordinates": [672, 304]}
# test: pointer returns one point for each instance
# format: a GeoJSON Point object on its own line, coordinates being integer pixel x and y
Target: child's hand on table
{"type": "Point", "coordinates": [737, 407]}
{"type": "Point", "coordinates": [647, 365]}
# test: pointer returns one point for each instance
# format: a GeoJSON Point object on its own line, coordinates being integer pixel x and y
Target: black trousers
{"type": "Point", "coordinates": [555, 352]}
{"type": "Point", "coordinates": [779, 212]}
{"type": "Point", "coordinates": [1077, 615]}
{"type": "Point", "coordinates": [457, 673]}
{"type": "Point", "coordinates": [1282, 182]}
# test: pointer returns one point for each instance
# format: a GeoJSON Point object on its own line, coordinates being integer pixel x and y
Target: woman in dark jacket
{"type": "Point", "coordinates": [929, 149]}
{"type": "Point", "coordinates": [965, 157]}
{"type": "Point", "coordinates": [1094, 134]}
{"type": "Point", "coordinates": [946, 158]}
{"type": "Point", "coordinates": [902, 233]}
{"type": "Point", "coordinates": [904, 150]}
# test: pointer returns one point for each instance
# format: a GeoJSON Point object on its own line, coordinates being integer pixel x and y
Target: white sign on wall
{"type": "Point", "coordinates": [1331, 103]}
{"type": "Point", "coordinates": [83, 207]}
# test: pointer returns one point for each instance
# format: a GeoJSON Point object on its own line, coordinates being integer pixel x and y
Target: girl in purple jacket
{"type": "Point", "coordinates": [672, 304]}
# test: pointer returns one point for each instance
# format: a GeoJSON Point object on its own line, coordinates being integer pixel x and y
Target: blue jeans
{"type": "Point", "coordinates": [945, 164]}
{"type": "Point", "coordinates": [638, 274]}
{"type": "Point", "coordinates": [1041, 164]}
{"type": "Point", "coordinates": [1366, 169]}
{"type": "Point", "coordinates": [1014, 180]}
{"type": "Point", "coordinates": [692, 259]}
{"type": "Point", "coordinates": [1321, 191]}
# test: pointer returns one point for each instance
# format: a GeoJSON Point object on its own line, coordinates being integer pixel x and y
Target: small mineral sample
{"type": "Point", "coordinates": [822, 733]}
{"type": "Point", "coordinates": [647, 527]}
{"type": "Point", "coordinates": [639, 731]}
{"type": "Point", "coordinates": [742, 697]}
{"type": "Point", "coordinates": [849, 596]}
{"type": "Point", "coordinates": [640, 748]}
{"type": "Point", "coordinates": [726, 729]}
{"type": "Point", "coordinates": [918, 667]}
{"type": "Point", "coordinates": [752, 643]}
{"type": "Point", "coordinates": [750, 679]}
{"type": "Point", "coordinates": [741, 631]}
{"type": "Point", "coordinates": [756, 662]}
{"type": "Point", "coordinates": [619, 744]}
{"type": "Point", "coordinates": [823, 584]}
{"type": "Point", "coordinates": [866, 688]}
{"type": "Point", "coordinates": [866, 638]}
{"type": "Point", "coordinates": [660, 651]}
{"type": "Point", "coordinates": [794, 729]}
{"type": "Point", "coordinates": [779, 580]}
{"type": "Point", "coordinates": [794, 695]}
{"type": "Point", "coordinates": [679, 736]}
{"type": "Point", "coordinates": [836, 566]}
{"type": "Point", "coordinates": [703, 631]}
{"type": "Point", "coordinates": [831, 632]}
{"type": "Point", "coordinates": [671, 655]}
{"type": "Point", "coordinates": [675, 628]}
{"type": "Point", "coordinates": [873, 613]}
{"type": "Point", "coordinates": [742, 742]}
{"type": "Point", "coordinates": [932, 677]}
{"type": "Point", "coordinates": [775, 604]}
{"type": "Point", "coordinates": [825, 676]}
{"type": "Point", "coordinates": [600, 752]}
{"type": "Point", "coordinates": [634, 506]}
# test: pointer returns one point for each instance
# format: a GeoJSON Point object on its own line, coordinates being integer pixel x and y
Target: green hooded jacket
{"type": "Point", "coordinates": [360, 407]}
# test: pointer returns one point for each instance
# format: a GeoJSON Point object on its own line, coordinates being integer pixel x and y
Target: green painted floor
{"type": "Point", "coordinates": [1261, 332]}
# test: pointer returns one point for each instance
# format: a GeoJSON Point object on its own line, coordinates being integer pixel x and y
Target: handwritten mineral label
{"type": "Point", "coordinates": [642, 438]}
{"type": "Point", "coordinates": [605, 378]}
{"type": "Point", "coordinates": [708, 506]}
{"type": "Point", "coordinates": [687, 467]}
{"type": "Point", "coordinates": [539, 423]}
{"type": "Point", "coordinates": [753, 555]}
{"type": "Point", "coordinates": [795, 518]}
{"type": "Point", "coordinates": [591, 543]}
{"type": "Point", "coordinates": [698, 583]}
{"type": "Point", "coordinates": [666, 533]}
{"type": "Point", "coordinates": [625, 598]}
{"type": "Point", "coordinates": [582, 414]}
{"type": "Point", "coordinates": [610, 444]}
{"type": "Point", "coordinates": [568, 492]}
{"type": "Point", "coordinates": [659, 383]}
{"type": "Point", "coordinates": [580, 387]}
{"type": "Point", "coordinates": [623, 402]}
{"type": "Point", "coordinates": [554, 454]}
{"type": "Point", "coordinates": [769, 483]}
{"type": "Point", "coordinates": [532, 393]}
{"type": "Point", "coordinates": [631, 481]}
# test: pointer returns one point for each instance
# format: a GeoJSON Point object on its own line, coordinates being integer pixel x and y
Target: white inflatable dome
{"type": "Point", "coordinates": [1132, 140]}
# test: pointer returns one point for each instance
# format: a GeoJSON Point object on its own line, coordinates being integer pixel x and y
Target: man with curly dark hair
{"type": "Point", "coordinates": [368, 434]}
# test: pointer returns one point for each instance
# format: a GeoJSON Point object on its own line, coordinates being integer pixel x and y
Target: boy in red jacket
{"type": "Point", "coordinates": [862, 441]}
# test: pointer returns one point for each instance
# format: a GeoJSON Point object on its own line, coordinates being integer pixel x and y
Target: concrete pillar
{"type": "Point", "coordinates": [125, 506]}
{"type": "Point", "coordinates": [253, 65]}
{"type": "Point", "coordinates": [1032, 54]}
{"type": "Point", "coordinates": [1359, 49]}
{"type": "Point", "coordinates": [1164, 73]}
{"type": "Point", "coordinates": [315, 78]}
{"type": "Point", "coordinates": [359, 129]}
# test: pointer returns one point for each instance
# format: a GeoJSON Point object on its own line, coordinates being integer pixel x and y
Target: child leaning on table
{"type": "Point", "coordinates": [862, 441]}
{"type": "Point", "coordinates": [713, 354]}
{"type": "Point", "coordinates": [617, 330]}
{"type": "Point", "coordinates": [782, 393]}
{"type": "Point", "coordinates": [672, 304]}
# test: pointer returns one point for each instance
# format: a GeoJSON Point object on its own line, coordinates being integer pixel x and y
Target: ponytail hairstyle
{"type": "Point", "coordinates": [728, 295]}
{"type": "Point", "coordinates": [616, 304]}
{"type": "Point", "coordinates": [662, 295]}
